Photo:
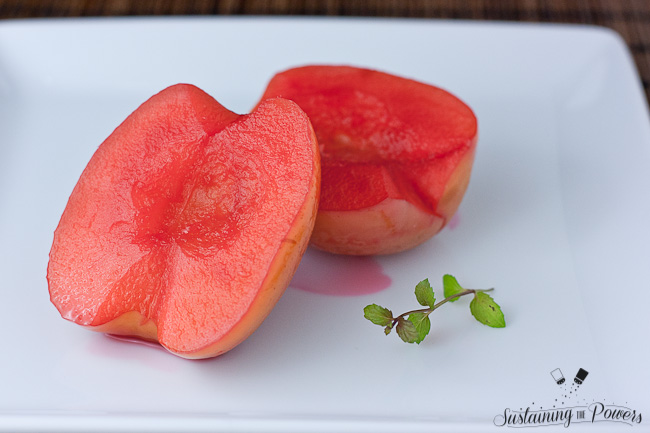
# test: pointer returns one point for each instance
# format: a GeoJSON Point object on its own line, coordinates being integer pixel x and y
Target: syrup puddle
{"type": "Point", "coordinates": [151, 358]}
{"type": "Point", "coordinates": [454, 221]}
{"type": "Point", "coordinates": [339, 275]}
{"type": "Point", "coordinates": [136, 340]}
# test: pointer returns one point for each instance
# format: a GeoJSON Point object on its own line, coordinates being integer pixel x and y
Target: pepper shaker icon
{"type": "Point", "coordinates": [580, 376]}
{"type": "Point", "coordinates": [558, 376]}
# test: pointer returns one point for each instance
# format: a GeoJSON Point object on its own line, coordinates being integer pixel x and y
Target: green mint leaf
{"type": "Point", "coordinates": [424, 294]}
{"type": "Point", "coordinates": [486, 311]}
{"type": "Point", "coordinates": [422, 325]}
{"type": "Point", "coordinates": [406, 330]}
{"type": "Point", "coordinates": [388, 329]}
{"type": "Point", "coordinates": [451, 287]}
{"type": "Point", "coordinates": [378, 315]}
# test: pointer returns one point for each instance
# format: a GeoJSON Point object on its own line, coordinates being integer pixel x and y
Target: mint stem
{"type": "Point", "coordinates": [428, 311]}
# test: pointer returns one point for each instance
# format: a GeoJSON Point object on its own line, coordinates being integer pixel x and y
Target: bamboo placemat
{"type": "Point", "coordinates": [630, 18]}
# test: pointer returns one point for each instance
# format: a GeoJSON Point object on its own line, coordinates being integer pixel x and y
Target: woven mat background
{"type": "Point", "coordinates": [630, 18]}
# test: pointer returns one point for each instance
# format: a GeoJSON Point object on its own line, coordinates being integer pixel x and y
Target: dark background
{"type": "Point", "coordinates": [630, 18]}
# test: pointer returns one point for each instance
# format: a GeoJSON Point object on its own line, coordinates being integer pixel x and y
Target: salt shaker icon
{"type": "Point", "coordinates": [580, 376]}
{"type": "Point", "coordinates": [558, 376]}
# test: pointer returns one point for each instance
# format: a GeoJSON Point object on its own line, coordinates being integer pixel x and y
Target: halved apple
{"type": "Point", "coordinates": [188, 222]}
{"type": "Point", "coordinates": [396, 155]}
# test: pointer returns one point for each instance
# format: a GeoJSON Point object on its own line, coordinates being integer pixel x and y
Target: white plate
{"type": "Point", "coordinates": [556, 218]}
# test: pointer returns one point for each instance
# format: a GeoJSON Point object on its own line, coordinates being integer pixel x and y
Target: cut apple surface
{"type": "Point", "coordinates": [188, 222]}
{"type": "Point", "coordinates": [396, 155]}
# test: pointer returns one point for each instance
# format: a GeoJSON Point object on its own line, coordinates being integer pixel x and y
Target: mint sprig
{"type": "Point", "coordinates": [413, 326]}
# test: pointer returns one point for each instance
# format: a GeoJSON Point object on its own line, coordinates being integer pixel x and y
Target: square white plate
{"type": "Point", "coordinates": [556, 218]}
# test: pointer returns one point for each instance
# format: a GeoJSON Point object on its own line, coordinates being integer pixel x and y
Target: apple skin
{"type": "Point", "coordinates": [396, 155]}
{"type": "Point", "coordinates": [393, 225]}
